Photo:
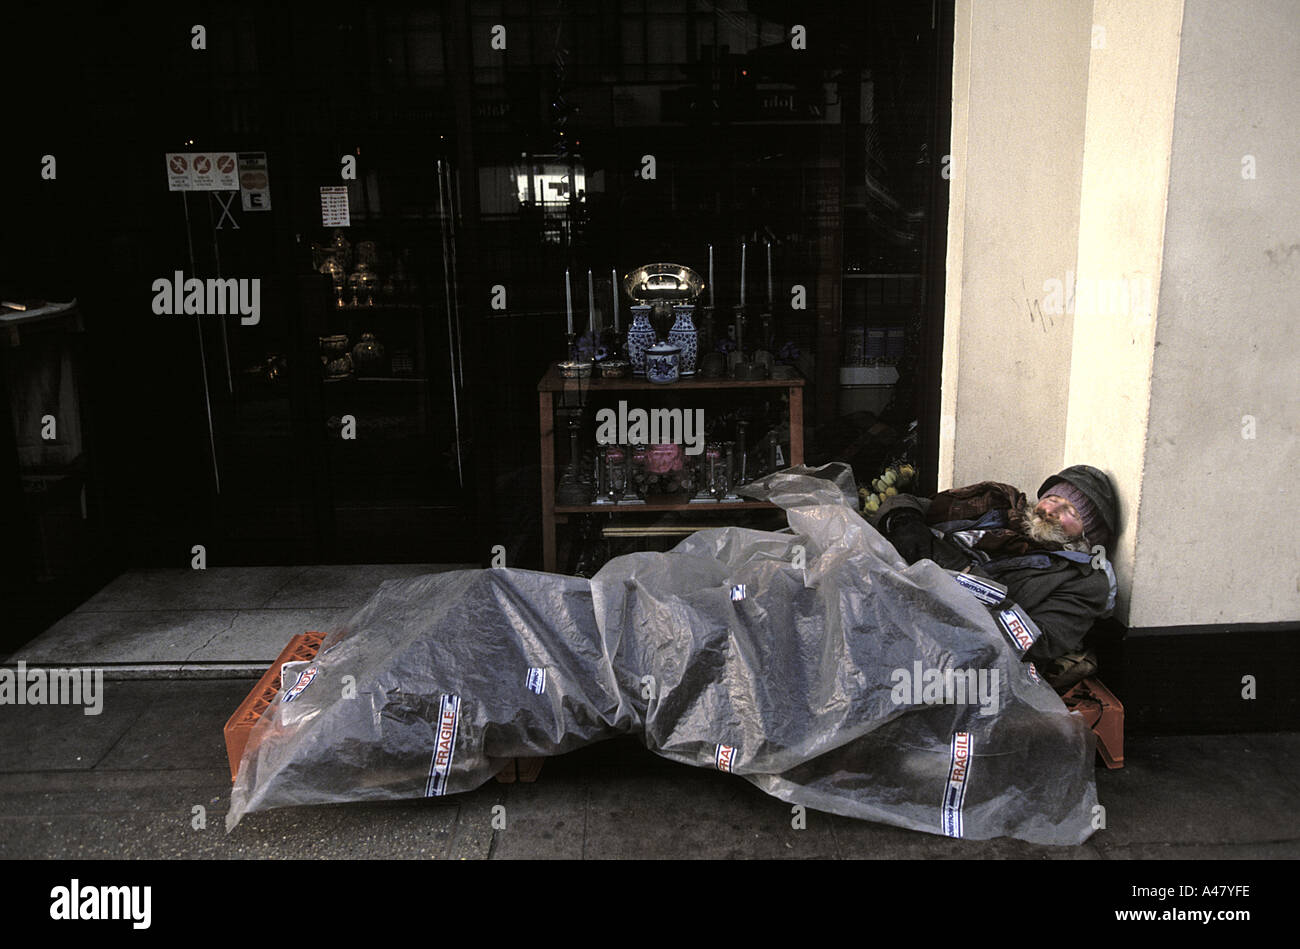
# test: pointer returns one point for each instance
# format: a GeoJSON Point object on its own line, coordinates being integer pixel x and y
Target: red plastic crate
{"type": "Point", "coordinates": [524, 770]}
{"type": "Point", "coordinates": [302, 647]}
{"type": "Point", "coordinates": [1105, 716]}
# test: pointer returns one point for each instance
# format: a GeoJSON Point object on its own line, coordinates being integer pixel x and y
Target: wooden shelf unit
{"type": "Point", "coordinates": [553, 383]}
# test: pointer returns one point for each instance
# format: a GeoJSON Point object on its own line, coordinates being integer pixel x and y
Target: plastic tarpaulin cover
{"type": "Point", "coordinates": [813, 662]}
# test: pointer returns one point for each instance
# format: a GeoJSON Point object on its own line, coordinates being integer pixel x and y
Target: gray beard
{"type": "Point", "coordinates": [1044, 531]}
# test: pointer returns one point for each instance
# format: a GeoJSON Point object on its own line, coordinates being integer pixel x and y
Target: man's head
{"type": "Point", "coordinates": [1055, 519]}
{"type": "Point", "coordinates": [1076, 506]}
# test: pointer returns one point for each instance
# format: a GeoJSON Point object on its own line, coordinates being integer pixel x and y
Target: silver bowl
{"type": "Point", "coordinates": [654, 283]}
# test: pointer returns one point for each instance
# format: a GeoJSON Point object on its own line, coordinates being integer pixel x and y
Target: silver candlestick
{"type": "Point", "coordinates": [572, 491]}
{"type": "Point", "coordinates": [741, 440]}
{"type": "Point", "coordinates": [730, 494]}
{"type": "Point", "coordinates": [625, 486]}
{"type": "Point", "coordinates": [744, 369]}
{"type": "Point", "coordinates": [704, 476]}
{"type": "Point", "coordinates": [604, 489]}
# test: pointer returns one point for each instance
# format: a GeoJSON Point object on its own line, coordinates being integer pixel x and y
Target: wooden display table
{"type": "Point", "coordinates": [553, 383]}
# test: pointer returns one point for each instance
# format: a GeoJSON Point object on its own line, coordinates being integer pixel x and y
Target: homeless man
{"type": "Point", "coordinates": [1050, 557]}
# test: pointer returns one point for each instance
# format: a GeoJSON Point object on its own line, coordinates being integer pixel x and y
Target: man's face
{"type": "Point", "coordinates": [1057, 511]}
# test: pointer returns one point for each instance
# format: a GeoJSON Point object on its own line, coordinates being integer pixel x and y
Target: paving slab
{"type": "Point", "coordinates": [259, 635]}
{"type": "Point", "coordinates": [178, 728]}
{"type": "Point", "coordinates": [216, 588]}
{"type": "Point", "coordinates": [1196, 790]}
{"type": "Point", "coordinates": [131, 637]}
{"type": "Point", "coordinates": [333, 832]}
{"type": "Point", "coordinates": [98, 793]}
{"type": "Point", "coordinates": [693, 813]}
{"type": "Point", "coordinates": [544, 820]}
{"type": "Point", "coordinates": [175, 637]}
{"type": "Point", "coordinates": [62, 737]}
{"type": "Point", "coordinates": [1281, 751]}
{"type": "Point", "coordinates": [347, 585]}
{"type": "Point", "coordinates": [866, 840]}
{"type": "Point", "coordinates": [230, 615]}
{"type": "Point", "coordinates": [1270, 850]}
{"type": "Point", "coordinates": [474, 834]}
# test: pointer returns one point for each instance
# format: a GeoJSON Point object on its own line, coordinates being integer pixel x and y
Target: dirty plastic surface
{"type": "Point", "coordinates": [733, 651]}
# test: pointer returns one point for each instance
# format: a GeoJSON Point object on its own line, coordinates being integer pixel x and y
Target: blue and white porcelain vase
{"type": "Point", "coordinates": [661, 363]}
{"type": "Point", "coordinates": [685, 337]}
{"type": "Point", "coordinates": [640, 337]}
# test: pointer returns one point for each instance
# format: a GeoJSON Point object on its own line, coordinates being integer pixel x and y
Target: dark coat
{"type": "Point", "coordinates": [1062, 596]}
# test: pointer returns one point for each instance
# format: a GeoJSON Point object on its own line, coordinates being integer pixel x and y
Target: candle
{"type": "Point", "coordinates": [592, 325]}
{"type": "Point", "coordinates": [769, 274]}
{"type": "Point", "coordinates": [742, 273]}
{"type": "Point", "coordinates": [712, 301]}
{"type": "Point", "coordinates": [568, 299]}
{"type": "Point", "coordinates": [613, 286]}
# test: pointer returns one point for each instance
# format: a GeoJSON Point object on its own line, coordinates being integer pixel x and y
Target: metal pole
{"type": "Point", "coordinates": [453, 200]}
{"type": "Point", "coordinates": [453, 349]}
{"type": "Point", "coordinates": [203, 358]}
{"type": "Point", "coordinates": [216, 251]}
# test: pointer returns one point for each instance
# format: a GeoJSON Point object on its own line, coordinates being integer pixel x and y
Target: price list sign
{"type": "Point", "coordinates": [334, 207]}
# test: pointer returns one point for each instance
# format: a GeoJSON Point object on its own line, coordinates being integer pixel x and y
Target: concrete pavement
{"type": "Point", "coordinates": [125, 784]}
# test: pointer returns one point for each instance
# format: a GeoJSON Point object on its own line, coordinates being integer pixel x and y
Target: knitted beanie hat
{"type": "Point", "coordinates": [1094, 527]}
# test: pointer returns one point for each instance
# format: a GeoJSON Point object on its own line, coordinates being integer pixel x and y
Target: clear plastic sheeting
{"type": "Point", "coordinates": [814, 663]}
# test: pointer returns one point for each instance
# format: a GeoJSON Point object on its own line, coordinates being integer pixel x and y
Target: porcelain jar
{"type": "Point", "coordinates": [662, 363]}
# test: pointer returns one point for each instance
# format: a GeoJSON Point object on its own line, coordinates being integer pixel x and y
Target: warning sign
{"type": "Point", "coordinates": [202, 165]}
{"type": "Point", "coordinates": [178, 173]}
{"type": "Point", "coordinates": [223, 171]}
{"type": "Point", "coordinates": [201, 171]}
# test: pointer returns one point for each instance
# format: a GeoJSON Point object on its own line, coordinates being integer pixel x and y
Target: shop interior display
{"type": "Point", "coordinates": [635, 481]}
{"type": "Point", "coordinates": [696, 212]}
{"type": "Point", "coordinates": [670, 336]}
